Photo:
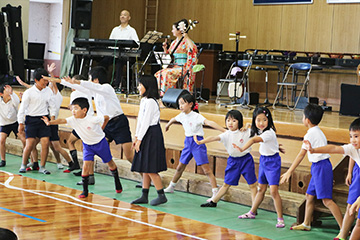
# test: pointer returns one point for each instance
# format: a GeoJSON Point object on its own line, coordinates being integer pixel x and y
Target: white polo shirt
{"type": "Point", "coordinates": [270, 145]}
{"type": "Point", "coordinates": [317, 139]}
{"type": "Point", "coordinates": [9, 110]}
{"type": "Point", "coordinates": [192, 123]}
{"type": "Point", "coordinates": [351, 151]}
{"type": "Point", "coordinates": [88, 128]}
{"type": "Point", "coordinates": [237, 137]}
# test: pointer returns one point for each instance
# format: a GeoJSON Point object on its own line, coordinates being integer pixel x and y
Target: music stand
{"type": "Point", "coordinates": [150, 37]}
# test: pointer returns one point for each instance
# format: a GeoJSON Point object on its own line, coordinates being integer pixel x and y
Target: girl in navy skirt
{"type": "Point", "coordinates": [149, 158]}
{"type": "Point", "coordinates": [270, 162]}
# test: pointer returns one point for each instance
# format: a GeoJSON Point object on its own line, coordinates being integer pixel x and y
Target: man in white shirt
{"type": "Point", "coordinates": [37, 101]}
{"type": "Point", "coordinates": [122, 32]}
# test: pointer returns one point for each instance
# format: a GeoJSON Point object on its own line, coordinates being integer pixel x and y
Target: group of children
{"type": "Point", "coordinates": [147, 151]}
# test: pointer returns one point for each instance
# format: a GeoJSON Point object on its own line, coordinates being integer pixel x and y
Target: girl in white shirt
{"type": "Point", "coordinates": [149, 158]}
{"type": "Point", "coordinates": [263, 132]}
{"type": "Point", "coordinates": [193, 123]}
{"type": "Point", "coordinates": [238, 163]}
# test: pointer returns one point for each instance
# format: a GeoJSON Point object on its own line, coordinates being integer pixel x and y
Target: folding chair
{"type": "Point", "coordinates": [296, 68]}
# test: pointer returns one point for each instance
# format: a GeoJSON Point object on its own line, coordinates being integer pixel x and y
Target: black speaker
{"type": "Point", "coordinates": [350, 100]}
{"type": "Point", "coordinates": [81, 14]}
{"type": "Point", "coordinates": [171, 97]}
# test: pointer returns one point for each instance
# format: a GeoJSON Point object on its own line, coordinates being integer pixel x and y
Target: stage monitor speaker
{"type": "Point", "coordinates": [350, 100]}
{"type": "Point", "coordinates": [171, 97]}
{"type": "Point", "coordinates": [81, 14]}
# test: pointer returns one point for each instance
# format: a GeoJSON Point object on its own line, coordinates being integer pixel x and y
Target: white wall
{"type": "Point", "coordinates": [45, 26]}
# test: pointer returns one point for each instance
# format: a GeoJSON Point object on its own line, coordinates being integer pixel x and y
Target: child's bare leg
{"type": "Point", "coordinates": [44, 141]}
{"type": "Point", "coordinates": [335, 210]}
{"type": "Point", "coordinates": [73, 162]}
{"type": "Point", "coordinates": [356, 231]}
{"type": "Point", "coordinates": [346, 224]}
{"type": "Point", "coordinates": [30, 143]}
{"type": "Point", "coordinates": [222, 191]}
{"type": "Point", "coordinates": [259, 197]}
{"type": "Point", "coordinates": [156, 179]}
{"type": "Point", "coordinates": [209, 174]}
{"type": "Point", "coordinates": [57, 147]}
{"type": "Point", "coordinates": [253, 191]}
{"type": "Point", "coordinates": [179, 171]}
{"type": "Point", "coordinates": [128, 152]}
{"type": "Point", "coordinates": [274, 191]}
{"type": "Point", "coordinates": [56, 153]}
{"type": "Point", "coordinates": [309, 209]}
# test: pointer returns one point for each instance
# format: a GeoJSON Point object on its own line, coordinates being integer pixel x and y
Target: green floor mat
{"type": "Point", "coordinates": [186, 205]}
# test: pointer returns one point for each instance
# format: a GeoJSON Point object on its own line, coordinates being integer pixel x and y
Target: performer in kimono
{"type": "Point", "coordinates": [185, 56]}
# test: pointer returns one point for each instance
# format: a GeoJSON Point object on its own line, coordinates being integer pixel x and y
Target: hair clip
{"type": "Point", "coordinates": [196, 106]}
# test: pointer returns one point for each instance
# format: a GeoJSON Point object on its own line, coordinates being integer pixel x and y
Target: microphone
{"type": "Point", "coordinates": [167, 36]}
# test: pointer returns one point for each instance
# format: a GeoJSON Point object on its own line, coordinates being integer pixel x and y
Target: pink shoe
{"type": "Point", "coordinates": [249, 215]}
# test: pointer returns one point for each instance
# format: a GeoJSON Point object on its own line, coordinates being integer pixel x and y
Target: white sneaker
{"type": "Point", "coordinates": [60, 166]}
{"type": "Point", "coordinates": [30, 164]}
{"type": "Point", "coordinates": [169, 189]}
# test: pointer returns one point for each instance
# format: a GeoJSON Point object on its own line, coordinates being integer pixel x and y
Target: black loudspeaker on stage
{"type": "Point", "coordinates": [81, 14]}
{"type": "Point", "coordinates": [171, 97]}
{"type": "Point", "coordinates": [350, 100]}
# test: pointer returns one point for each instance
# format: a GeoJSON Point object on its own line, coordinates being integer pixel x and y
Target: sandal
{"type": "Point", "coordinates": [280, 224]}
{"type": "Point", "coordinates": [248, 215]}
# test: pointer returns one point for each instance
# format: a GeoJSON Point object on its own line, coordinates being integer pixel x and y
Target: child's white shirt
{"type": "Point", "coordinates": [270, 145]}
{"type": "Point", "coordinates": [80, 91]}
{"type": "Point", "coordinates": [105, 99]}
{"type": "Point", "coordinates": [351, 151]}
{"type": "Point", "coordinates": [37, 103]}
{"type": "Point", "coordinates": [88, 128]}
{"type": "Point", "coordinates": [9, 110]}
{"type": "Point", "coordinates": [149, 115]}
{"type": "Point", "coordinates": [58, 100]}
{"type": "Point", "coordinates": [192, 123]}
{"type": "Point", "coordinates": [237, 137]}
{"type": "Point", "coordinates": [317, 139]}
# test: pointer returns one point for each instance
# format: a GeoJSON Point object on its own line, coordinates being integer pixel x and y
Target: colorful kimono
{"type": "Point", "coordinates": [185, 59]}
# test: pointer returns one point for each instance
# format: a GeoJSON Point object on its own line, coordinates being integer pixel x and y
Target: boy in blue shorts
{"type": "Point", "coordinates": [94, 141]}
{"type": "Point", "coordinates": [9, 103]}
{"type": "Point", "coordinates": [353, 177]}
{"type": "Point", "coordinates": [321, 183]}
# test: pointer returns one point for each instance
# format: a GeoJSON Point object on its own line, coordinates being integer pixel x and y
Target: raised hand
{"type": "Point", "coordinates": [51, 68]}
{"type": "Point", "coordinates": [18, 79]}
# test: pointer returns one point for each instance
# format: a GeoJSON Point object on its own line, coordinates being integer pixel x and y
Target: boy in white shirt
{"type": "Point", "coordinates": [321, 183]}
{"type": "Point", "coordinates": [352, 179]}
{"type": "Point", "coordinates": [94, 142]}
{"type": "Point", "coordinates": [37, 101]}
{"type": "Point", "coordinates": [9, 104]}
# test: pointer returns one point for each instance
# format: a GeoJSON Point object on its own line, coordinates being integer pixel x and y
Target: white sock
{"type": "Point", "coordinates": [214, 190]}
{"type": "Point", "coordinates": [23, 166]}
{"type": "Point", "coordinates": [306, 225]}
{"type": "Point", "coordinates": [172, 184]}
{"type": "Point", "coordinates": [41, 169]}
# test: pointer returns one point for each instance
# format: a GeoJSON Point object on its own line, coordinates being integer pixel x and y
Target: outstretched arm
{"type": "Point", "coordinates": [248, 144]}
{"type": "Point", "coordinates": [53, 121]}
{"type": "Point", "coordinates": [286, 176]}
{"type": "Point", "coordinates": [325, 149]}
{"type": "Point", "coordinates": [22, 83]}
{"type": "Point", "coordinates": [206, 140]}
{"type": "Point", "coordinates": [214, 125]}
{"type": "Point", "coordinates": [171, 122]}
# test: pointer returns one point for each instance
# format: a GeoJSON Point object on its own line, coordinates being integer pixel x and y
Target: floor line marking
{"type": "Point", "coordinates": [22, 214]}
{"type": "Point", "coordinates": [11, 177]}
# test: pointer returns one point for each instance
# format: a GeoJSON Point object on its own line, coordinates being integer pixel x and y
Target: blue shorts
{"type": "Point", "coordinates": [118, 130]}
{"type": "Point", "coordinates": [192, 149]}
{"type": "Point", "coordinates": [354, 189]}
{"type": "Point", "coordinates": [54, 133]}
{"type": "Point", "coordinates": [75, 134]}
{"type": "Point", "coordinates": [321, 182]}
{"type": "Point", "coordinates": [240, 165]}
{"type": "Point", "coordinates": [269, 169]}
{"type": "Point", "coordinates": [10, 128]}
{"type": "Point", "coordinates": [101, 149]}
{"type": "Point", "coordinates": [36, 128]}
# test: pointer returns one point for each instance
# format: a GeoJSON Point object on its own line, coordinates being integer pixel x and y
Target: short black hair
{"type": "Point", "coordinates": [235, 114]}
{"type": "Point", "coordinates": [7, 234]}
{"type": "Point", "coordinates": [99, 73]}
{"type": "Point", "coordinates": [79, 77]}
{"type": "Point", "coordinates": [82, 102]}
{"type": "Point", "coordinates": [2, 88]}
{"type": "Point", "coordinates": [314, 113]}
{"type": "Point", "coordinates": [355, 125]}
{"type": "Point", "coordinates": [258, 111]}
{"type": "Point", "coordinates": [151, 87]}
{"type": "Point", "coordinates": [39, 72]}
{"type": "Point", "coordinates": [189, 98]}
